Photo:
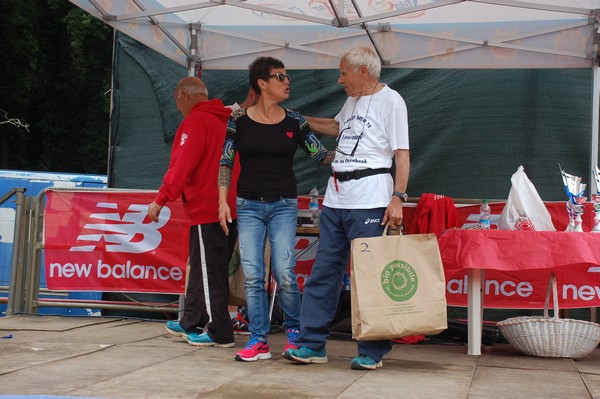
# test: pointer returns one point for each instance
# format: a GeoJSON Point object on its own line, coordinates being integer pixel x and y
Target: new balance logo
{"type": "Point", "coordinates": [128, 234]}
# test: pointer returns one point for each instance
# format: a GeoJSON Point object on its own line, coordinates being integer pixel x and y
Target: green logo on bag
{"type": "Point", "coordinates": [399, 281]}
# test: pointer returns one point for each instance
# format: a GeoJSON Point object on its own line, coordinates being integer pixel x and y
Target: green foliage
{"type": "Point", "coordinates": [16, 71]}
{"type": "Point", "coordinates": [57, 79]}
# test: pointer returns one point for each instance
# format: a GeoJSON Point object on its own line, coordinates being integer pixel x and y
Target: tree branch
{"type": "Point", "coordinates": [12, 121]}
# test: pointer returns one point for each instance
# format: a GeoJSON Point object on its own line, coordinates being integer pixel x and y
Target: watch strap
{"type": "Point", "coordinates": [402, 196]}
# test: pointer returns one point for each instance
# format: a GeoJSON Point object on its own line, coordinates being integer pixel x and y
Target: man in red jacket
{"type": "Point", "coordinates": [192, 174]}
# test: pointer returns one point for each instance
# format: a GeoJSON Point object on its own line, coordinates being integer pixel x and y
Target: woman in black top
{"type": "Point", "coordinates": [266, 136]}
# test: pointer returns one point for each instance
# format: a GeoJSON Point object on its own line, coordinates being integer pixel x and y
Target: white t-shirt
{"type": "Point", "coordinates": [383, 121]}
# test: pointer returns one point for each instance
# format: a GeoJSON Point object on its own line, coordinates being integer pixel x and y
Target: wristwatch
{"type": "Point", "coordinates": [402, 196]}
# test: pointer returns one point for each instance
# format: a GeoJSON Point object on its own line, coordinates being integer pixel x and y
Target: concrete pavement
{"type": "Point", "coordinates": [94, 357]}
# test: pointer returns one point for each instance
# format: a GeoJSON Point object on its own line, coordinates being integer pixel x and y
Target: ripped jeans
{"type": "Point", "coordinates": [276, 221]}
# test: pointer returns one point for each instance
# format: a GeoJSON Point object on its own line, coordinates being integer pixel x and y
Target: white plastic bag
{"type": "Point", "coordinates": [524, 200]}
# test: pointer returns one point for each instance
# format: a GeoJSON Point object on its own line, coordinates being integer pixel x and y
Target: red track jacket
{"type": "Point", "coordinates": [194, 164]}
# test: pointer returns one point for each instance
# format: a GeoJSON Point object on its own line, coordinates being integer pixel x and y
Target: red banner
{"type": "Point", "coordinates": [103, 241]}
{"type": "Point", "coordinates": [578, 287]}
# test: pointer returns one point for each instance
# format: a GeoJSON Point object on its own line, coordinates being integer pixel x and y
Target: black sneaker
{"type": "Point", "coordinates": [239, 325]}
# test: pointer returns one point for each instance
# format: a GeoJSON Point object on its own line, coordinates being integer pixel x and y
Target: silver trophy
{"type": "Point", "coordinates": [596, 199]}
{"type": "Point", "coordinates": [575, 189]}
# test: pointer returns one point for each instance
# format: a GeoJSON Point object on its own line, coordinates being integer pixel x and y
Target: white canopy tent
{"type": "Point", "coordinates": [312, 34]}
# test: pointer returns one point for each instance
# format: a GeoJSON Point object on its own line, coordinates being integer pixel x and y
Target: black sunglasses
{"type": "Point", "coordinates": [337, 141]}
{"type": "Point", "coordinates": [280, 76]}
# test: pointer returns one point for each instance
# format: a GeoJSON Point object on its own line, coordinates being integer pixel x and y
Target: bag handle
{"type": "Point", "coordinates": [551, 286]}
{"type": "Point", "coordinates": [386, 229]}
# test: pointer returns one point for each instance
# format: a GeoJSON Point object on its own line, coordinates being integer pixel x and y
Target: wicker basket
{"type": "Point", "coordinates": [551, 337]}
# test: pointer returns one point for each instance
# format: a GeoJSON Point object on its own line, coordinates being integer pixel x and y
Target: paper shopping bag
{"type": "Point", "coordinates": [398, 287]}
{"type": "Point", "coordinates": [237, 290]}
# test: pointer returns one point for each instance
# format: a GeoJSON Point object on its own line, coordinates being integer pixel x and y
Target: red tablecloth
{"type": "Point", "coordinates": [523, 253]}
{"type": "Point", "coordinates": [518, 250]}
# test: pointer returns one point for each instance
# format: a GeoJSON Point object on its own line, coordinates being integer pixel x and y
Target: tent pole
{"type": "Point", "coordinates": [111, 129]}
{"type": "Point", "coordinates": [595, 123]}
{"type": "Point", "coordinates": [594, 145]}
{"type": "Point", "coordinates": [193, 62]}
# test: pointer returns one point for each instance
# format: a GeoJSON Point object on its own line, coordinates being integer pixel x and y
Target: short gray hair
{"type": "Point", "coordinates": [358, 56]}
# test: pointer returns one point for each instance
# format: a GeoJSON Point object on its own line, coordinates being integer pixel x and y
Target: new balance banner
{"type": "Point", "coordinates": [103, 241]}
{"type": "Point", "coordinates": [578, 286]}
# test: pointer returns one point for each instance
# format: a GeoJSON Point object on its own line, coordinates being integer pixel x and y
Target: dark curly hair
{"type": "Point", "coordinates": [261, 69]}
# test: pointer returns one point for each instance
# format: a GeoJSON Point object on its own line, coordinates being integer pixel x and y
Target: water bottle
{"type": "Point", "coordinates": [484, 215]}
{"type": "Point", "coordinates": [313, 206]}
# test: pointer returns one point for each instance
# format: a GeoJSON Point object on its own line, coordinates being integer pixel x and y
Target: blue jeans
{"type": "Point", "coordinates": [276, 221]}
{"type": "Point", "coordinates": [338, 227]}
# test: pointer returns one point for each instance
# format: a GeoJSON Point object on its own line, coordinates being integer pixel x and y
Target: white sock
{"type": "Point", "coordinates": [233, 315]}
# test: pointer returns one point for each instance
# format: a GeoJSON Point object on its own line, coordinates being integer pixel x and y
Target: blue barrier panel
{"type": "Point", "coordinates": [34, 183]}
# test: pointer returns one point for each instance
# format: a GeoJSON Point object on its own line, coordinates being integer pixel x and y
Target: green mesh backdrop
{"type": "Point", "coordinates": [469, 129]}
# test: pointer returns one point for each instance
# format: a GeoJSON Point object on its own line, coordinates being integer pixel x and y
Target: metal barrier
{"type": "Point", "coordinates": [24, 289]}
{"type": "Point", "coordinates": [15, 289]}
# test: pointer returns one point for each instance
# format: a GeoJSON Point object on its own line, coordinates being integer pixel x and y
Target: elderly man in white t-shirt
{"type": "Point", "coordinates": [362, 197]}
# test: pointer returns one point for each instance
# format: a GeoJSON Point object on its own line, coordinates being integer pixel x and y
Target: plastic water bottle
{"type": "Point", "coordinates": [484, 215]}
{"type": "Point", "coordinates": [313, 206]}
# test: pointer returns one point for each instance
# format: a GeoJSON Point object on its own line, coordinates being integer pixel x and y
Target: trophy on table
{"type": "Point", "coordinates": [575, 189]}
{"type": "Point", "coordinates": [596, 199]}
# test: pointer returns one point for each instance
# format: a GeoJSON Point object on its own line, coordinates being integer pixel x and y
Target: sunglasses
{"type": "Point", "coordinates": [337, 141]}
{"type": "Point", "coordinates": [339, 137]}
{"type": "Point", "coordinates": [280, 76]}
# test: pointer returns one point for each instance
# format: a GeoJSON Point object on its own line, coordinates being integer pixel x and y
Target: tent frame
{"type": "Point", "coordinates": [362, 25]}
